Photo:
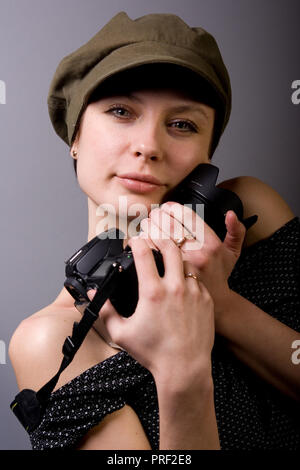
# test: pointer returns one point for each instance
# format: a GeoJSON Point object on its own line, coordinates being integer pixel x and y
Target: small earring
{"type": "Point", "coordinates": [74, 153]}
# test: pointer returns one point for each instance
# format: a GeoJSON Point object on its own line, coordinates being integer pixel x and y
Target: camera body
{"type": "Point", "coordinates": [89, 266]}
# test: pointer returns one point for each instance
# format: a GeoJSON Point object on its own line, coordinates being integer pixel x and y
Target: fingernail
{"type": "Point", "coordinates": [231, 212]}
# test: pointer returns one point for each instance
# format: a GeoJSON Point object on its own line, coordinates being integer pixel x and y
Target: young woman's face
{"type": "Point", "coordinates": [161, 133]}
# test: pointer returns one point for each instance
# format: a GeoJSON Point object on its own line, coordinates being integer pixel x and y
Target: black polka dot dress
{"type": "Point", "coordinates": [250, 413]}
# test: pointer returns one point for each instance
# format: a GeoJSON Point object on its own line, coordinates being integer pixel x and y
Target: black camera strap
{"type": "Point", "coordinates": [28, 405]}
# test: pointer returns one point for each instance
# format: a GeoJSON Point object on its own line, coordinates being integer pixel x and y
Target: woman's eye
{"type": "Point", "coordinates": [119, 111]}
{"type": "Point", "coordinates": [185, 126]}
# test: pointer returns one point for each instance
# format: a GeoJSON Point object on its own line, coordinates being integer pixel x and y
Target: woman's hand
{"type": "Point", "coordinates": [172, 329]}
{"type": "Point", "coordinates": [213, 259]}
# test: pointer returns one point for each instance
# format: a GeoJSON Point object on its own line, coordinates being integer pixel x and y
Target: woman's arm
{"type": "Point", "coordinates": [261, 342]}
{"type": "Point", "coordinates": [35, 351]}
{"type": "Point", "coordinates": [187, 417]}
{"type": "Point", "coordinates": [171, 333]}
{"type": "Point", "coordinates": [120, 430]}
{"type": "Point", "coordinates": [257, 339]}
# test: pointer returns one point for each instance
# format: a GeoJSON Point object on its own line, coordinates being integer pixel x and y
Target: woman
{"type": "Point", "coordinates": [203, 365]}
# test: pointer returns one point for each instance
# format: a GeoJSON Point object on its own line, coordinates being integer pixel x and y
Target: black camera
{"type": "Point", "coordinates": [90, 265]}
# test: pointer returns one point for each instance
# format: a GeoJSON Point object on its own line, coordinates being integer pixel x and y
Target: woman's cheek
{"type": "Point", "coordinates": [86, 176]}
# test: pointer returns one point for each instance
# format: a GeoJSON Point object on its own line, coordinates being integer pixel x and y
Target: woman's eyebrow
{"type": "Point", "coordinates": [176, 109]}
{"type": "Point", "coordinates": [183, 108]}
{"type": "Point", "coordinates": [125, 95]}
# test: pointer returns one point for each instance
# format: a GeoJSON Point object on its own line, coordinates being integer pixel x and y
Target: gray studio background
{"type": "Point", "coordinates": [43, 212]}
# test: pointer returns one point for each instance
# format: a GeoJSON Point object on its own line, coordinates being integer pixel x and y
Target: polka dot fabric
{"type": "Point", "coordinates": [84, 401]}
{"type": "Point", "coordinates": [250, 413]}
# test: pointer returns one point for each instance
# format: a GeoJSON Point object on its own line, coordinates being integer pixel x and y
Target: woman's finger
{"type": "Point", "coordinates": [152, 232]}
{"type": "Point", "coordinates": [192, 277]}
{"type": "Point", "coordinates": [146, 237]}
{"type": "Point", "coordinates": [171, 253]}
{"type": "Point", "coordinates": [91, 293]}
{"type": "Point", "coordinates": [170, 228]}
{"type": "Point", "coordinates": [110, 324]}
{"type": "Point", "coordinates": [147, 273]}
{"type": "Point", "coordinates": [172, 259]}
{"type": "Point", "coordinates": [196, 286]}
{"type": "Point", "coordinates": [235, 233]}
{"type": "Point", "coordinates": [185, 216]}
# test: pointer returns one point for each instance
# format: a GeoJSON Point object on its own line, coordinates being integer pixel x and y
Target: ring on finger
{"type": "Point", "coordinates": [180, 241]}
{"type": "Point", "coordinates": [192, 275]}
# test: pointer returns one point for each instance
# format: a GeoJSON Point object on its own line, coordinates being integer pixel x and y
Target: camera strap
{"type": "Point", "coordinates": [28, 405]}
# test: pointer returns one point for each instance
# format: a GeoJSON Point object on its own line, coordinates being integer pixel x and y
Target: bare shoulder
{"type": "Point", "coordinates": [120, 430]}
{"type": "Point", "coordinates": [261, 199]}
{"type": "Point", "coordinates": [35, 349]}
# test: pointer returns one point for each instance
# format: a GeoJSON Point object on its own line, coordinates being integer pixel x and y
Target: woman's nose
{"type": "Point", "coordinates": [147, 143]}
{"type": "Point", "coordinates": [148, 153]}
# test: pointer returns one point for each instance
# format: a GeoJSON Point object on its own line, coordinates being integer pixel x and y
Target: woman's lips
{"type": "Point", "coordinates": [137, 185]}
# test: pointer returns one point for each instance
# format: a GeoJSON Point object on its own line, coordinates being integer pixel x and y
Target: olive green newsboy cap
{"type": "Point", "coordinates": [123, 44]}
